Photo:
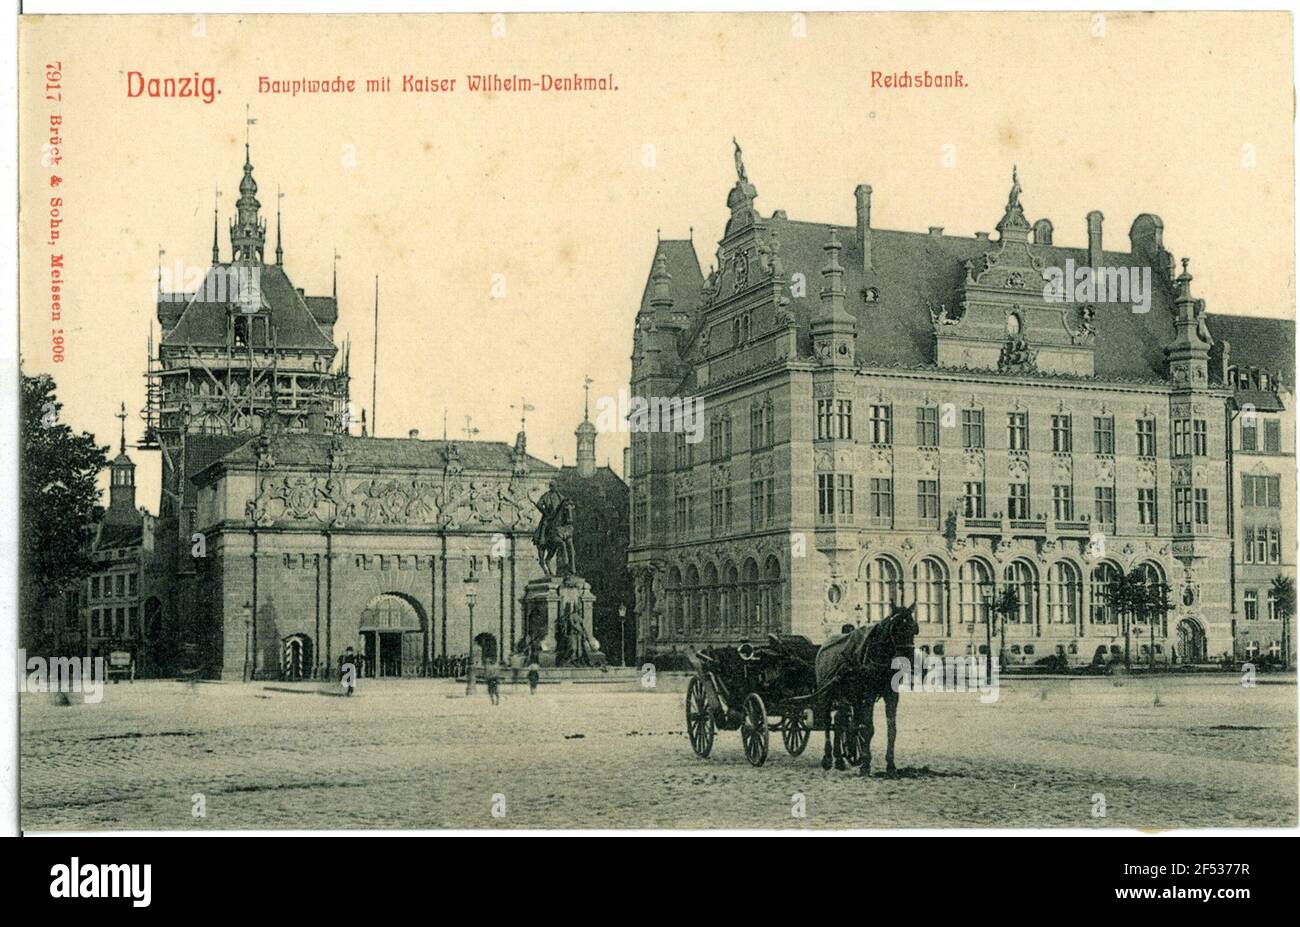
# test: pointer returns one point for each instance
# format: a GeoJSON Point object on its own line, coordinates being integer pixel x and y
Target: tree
{"type": "Point", "coordinates": [1006, 605]}
{"type": "Point", "coordinates": [1156, 606]}
{"type": "Point", "coordinates": [1127, 595]}
{"type": "Point", "coordinates": [1283, 592]}
{"type": "Point", "coordinates": [58, 497]}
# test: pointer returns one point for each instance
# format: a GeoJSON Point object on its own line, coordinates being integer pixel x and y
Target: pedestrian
{"type": "Point", "coordinates": [534, 677]}
{"type": "Point", "coordinates": [492, 673]}
{"type": "Point", "coordinates": [348, 670]}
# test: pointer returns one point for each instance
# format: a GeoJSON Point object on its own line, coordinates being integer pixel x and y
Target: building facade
{"type": "Point", "coordinates": [895, 417]}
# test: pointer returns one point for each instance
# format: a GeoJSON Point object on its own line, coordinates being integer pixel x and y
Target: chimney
{"type": "Point", "coordinates": [936, 231]}
{"type": "Point", "coordinates": [414, 434]}
{"type": "Point", "coordinates": [1094, 238]}
{"type": "Point", "coordinates": [863, 197]}
{"type": "Point", "coordinates": [981, 236]}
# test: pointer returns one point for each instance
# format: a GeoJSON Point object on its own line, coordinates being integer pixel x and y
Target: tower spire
{"type": "Point", "coordinates": [279, 249]}
{"type": "Point", "coordinates": [248, 231]}
{"type": "Point", "coordinates": [216, 251]}
{"type": "Point", "coordinates": [122, 416]}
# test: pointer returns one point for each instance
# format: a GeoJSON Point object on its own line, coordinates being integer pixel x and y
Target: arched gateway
{"type": "Point", "coordinates": [1191, 641]}
{"type": "Point", "coordinates": [392, 634]}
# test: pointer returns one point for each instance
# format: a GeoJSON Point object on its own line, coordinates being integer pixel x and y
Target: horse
{"type": "Point", "coordinates": [557, 542]}
{"type": "Point", "coordinates": [854, 671]}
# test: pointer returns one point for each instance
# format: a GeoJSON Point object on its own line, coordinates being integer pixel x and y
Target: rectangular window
{"type": "Point", "coordinates": [927, 500]}
{"type": "Point", "coordinates": [846, 497]}
{"type": "Point", "coordinates": [1182, 430]}
{"type": "Point", "coordinates": [715, 440]}
{"type": "Point", "coordinates": [1202, 500]}
{"type": "Point", "coordinates": [1261, 545]}
{"type": "Point", "coordinates": [1248, 490]}
{"type": "Point", "coordinates": [1104, 505]}
{"type": "Point", "coordinates": [825, 418]}
{"type": "Point", "coordinates": [882, 425]}
{"type": "Point", "coordinates": [1018, 431]}
{"type": "Point", "coordinates": [1147, 507]}
{"type": "Point", "coordinates": [826, 497]}
{"type": "Point", "coordinates": [758, 427]}
{"type": "Point", "coordinates": [1063, 503]}
{"type": "Point", "coordinates": [1273, 485]}
{"type": "Point", "coordinates": [1146, 432]}
{"type": "Point", "coordinates": [94, 587]}
{"type": "Point", "coordinates": [761, 499]}
{"type": "Point", "coordinates": [1018, 500]}
{"type": "Point", "coordinates": [1103, 434]}
{"type": "Point", "coordinates": [1273, 436]}
{"type": "Point", "coordinates": [1274, 545]}
{"type": "Point", "coordinates": [1062, 436]}
{"type": "Point", "coordinates": [1249, 435]}
{"type": "Point", "coordinates": [1251, 599]}
{"type": "Point", "coordinates": [882, 501]}
{"type": "Point", "coordinates": [132, 620]}
{"type": "Point", "coordinates": [1200, 441]}
{"type": "Point", "coordinates": [119, 585]}
{"type": "Point", "coordinates": [973, 497]}
{"type": "Point", "coordinates": [844, 419]}
{"type": "Point", "coordinates": [1249, 551]}
{"type": "Point", "coordinates": [927, 426]}
{"type": "Point", "coordinates": [1182, 510]}
{"type": "Point", "coordinates": [640, 514]}
{"type": "Point", "coordinates": [681, 514]}
{"type": "Point", "coordinates": [131, 581]}
{"type": "Point", "coordinates": [96, 623]}
{"type": "Point", "coordinates": [720, 511]}
{"type": "Point", "coordinates": [681, 451]}
{"type": "Point", "coordinates": [972, 428]}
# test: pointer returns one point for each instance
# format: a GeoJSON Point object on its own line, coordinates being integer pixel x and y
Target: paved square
{"type": "Point", "coordinates": [1192, 751]}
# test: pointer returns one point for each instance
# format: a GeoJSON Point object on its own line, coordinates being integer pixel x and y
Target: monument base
{"type": "Point", "coordinates": [557, 623]}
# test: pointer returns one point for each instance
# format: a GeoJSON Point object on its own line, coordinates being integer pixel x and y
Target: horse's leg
{"type": "Point", "coordinates": [891, 719]}
{"type": "Point", "coordinates": [869, 709]}
{"type": "Point", "coordinates": [841, 724]}
{"type": "Point", "coordinates": [826, 757]}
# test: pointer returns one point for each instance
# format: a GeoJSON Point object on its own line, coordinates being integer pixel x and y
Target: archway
{"type": "Point", "coordinates": [392, 631]}
{"type": "Point", "coordinates": [295, 657]}
{"type": "Point", "coordinates": [1191, 642]}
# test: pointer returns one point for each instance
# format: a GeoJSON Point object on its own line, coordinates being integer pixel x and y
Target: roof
{"type": "Point", "coordinates": [685, 269]}
{"type": "Point", "coordinates": [1268, 344]}
{"type": "Point", "coordinates": [914, 271]}
{"type": "Point", "coordinates": [313, 452]}
{"type": "Point", "coordinates": [113, 534]}
{"type": "Point", "coordinates": [203, 320]}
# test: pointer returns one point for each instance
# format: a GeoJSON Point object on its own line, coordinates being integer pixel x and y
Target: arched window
{"type": "Point", "coordinates": [974, 582]}
{"type": "Point", "coordinates": [1021, 576]}
{"type": "Point", "coordinates": [691, 599]}
{"type": "Point", "coordinates": [1063, 590]}
{"type": "Point", "coordinates": [749, 595]}
{"type": "Point", "coordinates": [929, 582]}
{"type": "Point", "coordinates": [731, 597]}
{"type": "Point", "coordinates": [884, 587]}
{"type": "Point", "coordinates": [1104, 576]}
{"type": "Point", "coordinates": [713, 613]}
{"type": "Point", "coordinates": [772, 619]}
{"type": "Point", "coordinates": [1152, 576]}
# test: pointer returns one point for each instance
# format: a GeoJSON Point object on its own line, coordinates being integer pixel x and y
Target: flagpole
{"type": "Point", "coordinates": [374, 370]}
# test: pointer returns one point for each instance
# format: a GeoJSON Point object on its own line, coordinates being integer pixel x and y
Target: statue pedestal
{"type": "Point", "coordinates": [557, 621]}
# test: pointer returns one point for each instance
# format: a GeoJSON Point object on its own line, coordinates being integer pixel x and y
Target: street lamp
{"type": "Point", "coordinates": [471, 596]}
{"type": "Point", "coordinates": [988, 627]}
{"type": "Point", "coordinates": [622, 635]}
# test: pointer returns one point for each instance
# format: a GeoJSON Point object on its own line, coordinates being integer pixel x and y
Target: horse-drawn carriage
{"type": "Point", "coordinates": [804, 687]}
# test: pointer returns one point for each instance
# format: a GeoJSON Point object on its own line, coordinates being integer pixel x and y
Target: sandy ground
{"type": "Point", "coordinates": [1195, 751]}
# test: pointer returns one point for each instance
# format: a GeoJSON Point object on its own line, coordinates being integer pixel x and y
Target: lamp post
{"type": "Point", "coordinates": [988, 627]}
{"type": "Point", "coordinates": [622, 635]}
{"type": "Point", "coordinates": [247, 612]}
{"type": "Point", "coordinates": [471, 596]}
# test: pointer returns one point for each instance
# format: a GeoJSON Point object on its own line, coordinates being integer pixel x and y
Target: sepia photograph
{"type": "Point", "coordinates": [655, 421]}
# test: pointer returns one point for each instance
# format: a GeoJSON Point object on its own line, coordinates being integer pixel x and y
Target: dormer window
{"type": "Point", "coordinates": [1013, 324]}
{"type": "Point", "coordinates": [241, 333]}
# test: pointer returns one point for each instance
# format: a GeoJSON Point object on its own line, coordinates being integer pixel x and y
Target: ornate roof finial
{"type": "Point", "coordinates": [1014, 198]}
{"type": "Point", "coordinates": [279, 248]}
{"type": "Point", "coordinates": [740, 162]}
{"type": "Point", "coordinates": [122, 415]}
{"type": "Point", "coordinates": [586, 397]}
{"type": "Point", "coordinates": [216, 251]}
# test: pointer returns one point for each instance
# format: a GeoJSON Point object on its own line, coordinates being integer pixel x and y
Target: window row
{"type": "Point", "coordinates": [1262, 545]}
{"type": "Point", "coordinates": [1263, 491]}
{"type": "Point", "coordinates": [1060, 597]}
{"type": "Point", "coordinates": [740, 600]}
{"type": "Point", "coordinates": [762, 434]}
{"type": "Point", "coordinates": [117, 585]}
{"type": "Point", "coordinates": [115, 622]}
{"type": "Point", "coordinates": [1250, 435]}
{"type": "Point", "coordinates": [1250, 604]}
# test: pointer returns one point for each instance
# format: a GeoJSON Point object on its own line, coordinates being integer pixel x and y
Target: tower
{"type": "Point", "coordinates": [248, 229]}
{"type": "Point", "coordinates": [586, 434]}
{"type": "Point", "coordinates": [121, 484]}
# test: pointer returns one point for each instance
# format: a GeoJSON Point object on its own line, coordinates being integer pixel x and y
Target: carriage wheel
{"type": "Point", "coordinates": [795, 733]}
{"type": "Point", "coordinates": [699, 721]}
{"type": "Point", "coordinates": [753, 730]}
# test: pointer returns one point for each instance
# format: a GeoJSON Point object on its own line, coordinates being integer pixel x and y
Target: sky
{"type": "Point", "coordinates": [513, 232]}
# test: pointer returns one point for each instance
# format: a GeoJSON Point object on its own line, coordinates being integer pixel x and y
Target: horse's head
{"type": "Point", "coordinates": [902, 631]}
